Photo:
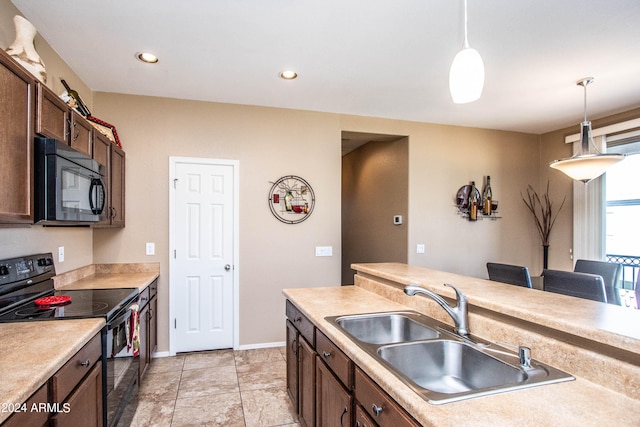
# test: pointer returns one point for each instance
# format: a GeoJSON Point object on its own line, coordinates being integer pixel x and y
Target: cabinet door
{"type": "Point", "coordinates": [85, 403]}
{"type": "Point", "coordinates": [17, 92]}
{"type": "Point", "coordinates": [117, 186]}
{"type": "Point", "coordinates": [52, 114]}
{"type": "Point", "coordinates": [292, 364]}
{"type": "Point", "coordinates": [153, 326]}
{"type": "Point", "coordinates": [81, 133]}
{"type": "Point", "coordinates": [333, 403]}
{"type": "Point", "coordinates": [102, 154]}
{"type": "Point", "coordinates": [306, 384]}
{"type": "Point", "coordinates": [144, 342]}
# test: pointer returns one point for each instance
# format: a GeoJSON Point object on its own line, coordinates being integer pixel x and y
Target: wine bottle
{"type": "Point", "coordinates": [487, 196]}
{"type": "Point", "coordinates": [82, 108]}
{"type": "Point", "coordinates": [473, 202]}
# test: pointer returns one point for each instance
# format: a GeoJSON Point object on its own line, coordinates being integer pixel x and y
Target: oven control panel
{"type": "Point", "coordinates": [25, 268]}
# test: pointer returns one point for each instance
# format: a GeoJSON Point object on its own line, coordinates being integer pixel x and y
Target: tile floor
{"type": "Point", "coordinates": [245, 388]}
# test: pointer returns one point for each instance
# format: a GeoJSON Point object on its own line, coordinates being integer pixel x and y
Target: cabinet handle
{"type": "Point", "coordinates": [85, 363]}
{"type": "Point", "coordinates": [377, 410]}
{"type": "Point", "coordinates": [294, 347]}
{"type": "Point", "coordinates": [76, 134]}
{"type": "Point", "coordinates": [326, 354]}
{"type": "Point", "coordinates": [344, 411]}
{"type": "Point", "coordinates": [297, 319]}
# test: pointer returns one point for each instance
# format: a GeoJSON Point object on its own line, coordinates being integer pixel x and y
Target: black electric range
{"type": "Point", "coordinates": [26, 280]}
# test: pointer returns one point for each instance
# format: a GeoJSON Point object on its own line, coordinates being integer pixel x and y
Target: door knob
{"type": "Point", "coordinates": [227, 267]}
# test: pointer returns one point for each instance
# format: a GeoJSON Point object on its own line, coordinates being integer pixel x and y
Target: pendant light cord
{"type": "Point", "coordinates": [466, 42]}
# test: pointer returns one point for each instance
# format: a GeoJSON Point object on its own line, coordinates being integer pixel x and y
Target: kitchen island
{"type": "Point", "coordinates": [581, 337]}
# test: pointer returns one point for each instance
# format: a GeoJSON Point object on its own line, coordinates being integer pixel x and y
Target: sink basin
{"type": "Point", "coordinates": [438, 364]}
{"type": "Point", "coordinates": [386, 328]}
{"type": "Point", "coordinates": [450, 367]}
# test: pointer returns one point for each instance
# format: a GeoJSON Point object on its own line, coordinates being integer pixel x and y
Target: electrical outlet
{"type": "Point", "coordinates": [420, 248]}
{"type": "Point", "coordinates": [151, 248]}
{"type": "Point", "coordinates": [60, 253]}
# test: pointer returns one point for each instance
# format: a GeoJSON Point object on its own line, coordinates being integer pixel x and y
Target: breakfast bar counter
{"type": "Point", "coordinates": [603, 361]}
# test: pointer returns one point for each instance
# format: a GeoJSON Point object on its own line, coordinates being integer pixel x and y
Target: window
{"type": "Point", "coordinates": [622, 189]}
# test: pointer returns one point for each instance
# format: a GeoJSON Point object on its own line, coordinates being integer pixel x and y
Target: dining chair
{"type": "Point", "coordinates": [610, 273]}
{"type": "Point", "coordinates": [581, 285]}
{"type": "Point", "coordinates": [512, 274]}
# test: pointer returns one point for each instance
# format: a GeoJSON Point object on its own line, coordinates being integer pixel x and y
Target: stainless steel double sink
{"type": "Point", "coordinates": [438, 364]}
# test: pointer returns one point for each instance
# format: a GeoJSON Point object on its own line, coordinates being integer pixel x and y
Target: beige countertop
{"type": "Point", "coordinates": [114, 281]}
{"type": "Point", "coordinates": [31, 352]}
{"type": "Point", "coordinates": [576, 403]}
{"type": "Point", "coordinates": [109, 276]}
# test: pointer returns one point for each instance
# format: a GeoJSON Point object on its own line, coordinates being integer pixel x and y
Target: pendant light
{"type": "Point", "coordinates": [466, 76]}
{"type": "Point", "coordinates": [584, 165]}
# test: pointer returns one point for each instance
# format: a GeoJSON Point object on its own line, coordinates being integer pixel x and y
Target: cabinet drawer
{"type": "Point", "coordinates": [301, 323]}
{"type": "Point", "coordinates": [30, 418]}
{"type": "Point", "coordinates": [378, 405]}
{"type": "Point", "coordinates": [362, 419]}
{"type": "Point", "coordinates": [68, 377]}
{"type": "Point", "coordinates": [339, 363]}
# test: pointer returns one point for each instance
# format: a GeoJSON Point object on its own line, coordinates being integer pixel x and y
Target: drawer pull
{"type": "Point", "coordinates": [297, 319]}
{"type": "Point", "coordinates": [377, 410]}
{"type": "Point", "coordinates": [85, 363]}
{"type": "Point", "coordinates": [326, 354]}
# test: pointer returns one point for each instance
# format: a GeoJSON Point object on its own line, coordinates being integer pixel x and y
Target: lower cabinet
{"type": "Point", "coordinates": [325, 386]}
{"type": "Point", "coordinates": [85, 403]}
{"type": "Point", "coordinates": [72, 397]}
{"type": "Point", "coordinates": [306, 384]}
{"type": "Point", "coordinates": [148, 326]}
{"type": "Point", "coordinates": [333, 402]}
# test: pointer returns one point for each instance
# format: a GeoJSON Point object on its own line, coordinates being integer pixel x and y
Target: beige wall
{"type": "Point", "coordinates": [269, 143]}
{"type": "Point", "coordinates": [375, 187]}
{"type": "Point", "coordinates": [441, 160]}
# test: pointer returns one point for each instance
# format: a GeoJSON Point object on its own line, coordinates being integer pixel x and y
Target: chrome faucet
{"type": "Point", "coordinates": [458, 313]}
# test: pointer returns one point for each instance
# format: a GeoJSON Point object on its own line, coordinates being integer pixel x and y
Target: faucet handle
{"type": "Point", "coordinates": [460, 296]}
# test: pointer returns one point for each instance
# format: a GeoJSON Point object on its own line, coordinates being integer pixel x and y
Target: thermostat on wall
{"type": "Point", "coordinates": [397, 219]}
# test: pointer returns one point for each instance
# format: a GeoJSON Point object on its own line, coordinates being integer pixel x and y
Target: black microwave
{"type": "Point", "coordinates": [68, 185]}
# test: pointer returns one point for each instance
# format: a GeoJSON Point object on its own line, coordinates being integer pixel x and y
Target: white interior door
{"type": "Point", "coordinates": [204, 251]}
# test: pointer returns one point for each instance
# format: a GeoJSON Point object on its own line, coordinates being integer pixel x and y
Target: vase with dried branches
{"type": "Point", "coordinates": [543, 215]}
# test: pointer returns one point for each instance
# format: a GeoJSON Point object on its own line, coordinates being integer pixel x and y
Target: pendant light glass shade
{"type": "Point", "coordinates": [585, 166]}
{"type": "Point", "coordinates": [466, 75]}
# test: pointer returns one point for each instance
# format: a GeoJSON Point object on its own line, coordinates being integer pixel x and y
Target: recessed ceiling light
{"type": "Point", "coordinates": [147, 57]}
{"type": "Point", "coordinates": [288, 75]}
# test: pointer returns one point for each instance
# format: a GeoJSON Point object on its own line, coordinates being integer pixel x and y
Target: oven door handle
{"type": "Point", "coordinates": [119, 320]}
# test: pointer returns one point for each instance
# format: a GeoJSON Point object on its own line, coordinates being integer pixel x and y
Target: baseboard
{"type": "Point", "coordinates": [158, 354]}
{"type": "Point", "coordinates": [262, 345]}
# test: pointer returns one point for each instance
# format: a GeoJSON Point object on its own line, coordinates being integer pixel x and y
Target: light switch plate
{"type": "Point", "coordinates": [324, 250]}
{"type": "Point", "coordinates": [420, 248]}
{"type": "Point", "coordinates": [60, 253]}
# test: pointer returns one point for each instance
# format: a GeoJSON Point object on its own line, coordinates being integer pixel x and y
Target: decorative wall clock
{"type": "Point", "coordinates": [291, 199]}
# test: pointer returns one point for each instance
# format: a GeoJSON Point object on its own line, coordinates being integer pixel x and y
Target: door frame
{"type": "Point", "coordinates": [173, 161]}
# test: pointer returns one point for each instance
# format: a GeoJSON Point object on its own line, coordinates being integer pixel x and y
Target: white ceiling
{"type": "Point", "coordinates": [382, 58]}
